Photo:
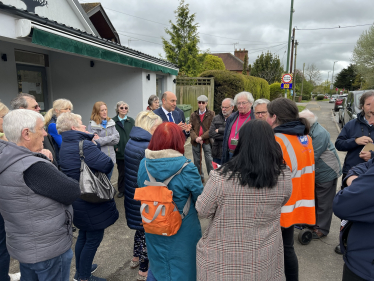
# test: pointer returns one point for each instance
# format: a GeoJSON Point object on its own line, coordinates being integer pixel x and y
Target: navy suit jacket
{"type": "Point", "coordinates": [176, 115]}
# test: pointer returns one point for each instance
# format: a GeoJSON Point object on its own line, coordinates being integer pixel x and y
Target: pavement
{"type": "Point", "coordinates": [317, 261]}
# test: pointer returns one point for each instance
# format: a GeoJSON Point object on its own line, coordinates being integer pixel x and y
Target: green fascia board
{"type": "Point", "coordinates": [54, 41]}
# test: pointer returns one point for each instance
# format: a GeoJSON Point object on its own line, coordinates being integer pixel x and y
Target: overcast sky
{"type": "Point", "coordinates": [255, 25]}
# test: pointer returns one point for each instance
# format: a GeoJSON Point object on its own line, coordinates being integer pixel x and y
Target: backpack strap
{"type": "Point", "coordinates": [158, 211]}
{"type": "Point", "coordinates": [81, 149]}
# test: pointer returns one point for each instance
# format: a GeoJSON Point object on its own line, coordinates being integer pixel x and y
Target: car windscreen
{"type": "Point", "coordinates": [334, 96]}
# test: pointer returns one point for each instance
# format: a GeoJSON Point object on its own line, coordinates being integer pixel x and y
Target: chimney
{"type": "Point", "coordinates": [241, 53]}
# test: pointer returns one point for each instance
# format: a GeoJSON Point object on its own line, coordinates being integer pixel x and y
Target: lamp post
{"type": "Point", "coordinates": [289, 41]}
{"type": "Point", "coordinates": [332, 78]}
{"type": "Point", "coordinates": [351, 84]}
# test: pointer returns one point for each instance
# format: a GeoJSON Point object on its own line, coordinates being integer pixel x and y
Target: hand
{"type": "Point", "coordinates": [365, 155]}
{"type": "Point", "coordinates": [202, 141]}
{"type": "Point", "coordinates": [363, 140]}
{"type": "Point", "coordinates": [47, 153]}
{"type": "Point", "coordinates": [188, 127]}
{"type": "Point", "coordinates": [350, 179]}
{"type": "Point", "coordinates": [96, 137]}
{"type": "Point", "coordinates": [216, 130]}
{"type": "Point", "coordinates": [94, 142]}
{"type": "Point", "coordinates": [198, 139]}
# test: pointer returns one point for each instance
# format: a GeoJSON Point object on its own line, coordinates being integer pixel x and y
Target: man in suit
{"type": "Point", "coordinates": [168, 112]}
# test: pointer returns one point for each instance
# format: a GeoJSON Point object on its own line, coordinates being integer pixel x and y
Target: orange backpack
{"type": "Point", "coordinates": [160, 214]}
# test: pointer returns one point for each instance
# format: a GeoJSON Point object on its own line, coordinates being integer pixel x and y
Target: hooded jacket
{"type": "Point", "coordinates": [134, 153]}
{"type": "Point", "coordinates": [109, 137]}
{"type": "Point", "coordinates": [38, 228]}
{"type": "Point", "coordinates": [355, 203]}
{"type": "Point", "coordinates": [346, 141]}
{"type": "Point", "coordinates": [87, 216]}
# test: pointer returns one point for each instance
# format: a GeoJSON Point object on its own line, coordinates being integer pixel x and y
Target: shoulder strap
{"type": "Point", "coordinates": [201, 124]}
{"type": "Point", "coordinates": [81, 149]}
{"type": "Point", "coordinates": [152, 180]}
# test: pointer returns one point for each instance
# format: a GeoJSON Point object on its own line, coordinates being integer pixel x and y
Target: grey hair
{"type": "Point", "coordinates": [20, 101]}
{"type": "Point", "coordinates": [260, 101]}
{"type": "Point", "coordinates": [308, 115]}
{"type": "Point", "coordinates": [119, 104]}
{"type": "Point", "coordinates": [231, 101]}
{"type": "Point", "coordinates": [152, 99]}
{"type": "Point", "coordinates": [17, 120]}
{"type": "Point", "coordinates": [66, 121]}
{"type": "Point", "coordinates": [247, 95]}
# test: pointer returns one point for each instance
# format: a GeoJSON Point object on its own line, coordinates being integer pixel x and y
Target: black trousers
{"type": "Point", "coordinates": [291, 264]}
{"type": "Point", "coordinates": [121, 175]}
{"type": "Point", "coordinates": [348, 275]}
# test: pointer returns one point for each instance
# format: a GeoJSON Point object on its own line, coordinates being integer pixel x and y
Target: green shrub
{"type": "Point", "coordinates": [227, 84]}
{"type": "Point", "coordinates": [213, 63]}
{"type": "Point", "coordinates": [306, 96]}
{"type": "Point", "coordinates": [320, 97]}
{"type": "Point", "coordinates": [276, 91]}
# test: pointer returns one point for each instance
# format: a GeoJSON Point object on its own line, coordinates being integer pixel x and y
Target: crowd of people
{"type": "Point", "coordinates": [277, 168]}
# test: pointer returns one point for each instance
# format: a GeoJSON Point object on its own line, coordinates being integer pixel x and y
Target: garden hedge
{"type": "Point", "coordinates": [227, 84]}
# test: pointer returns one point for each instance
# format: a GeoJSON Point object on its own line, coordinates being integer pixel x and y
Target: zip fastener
{"type": "Point", "coordinates": [106, 134]}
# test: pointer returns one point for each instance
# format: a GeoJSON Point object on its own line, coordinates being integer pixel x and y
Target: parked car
{"type": "Point", "coordinates": [339, 102]}
{"type": "Point", "coordinates": [333, 98]}
{"type": "Point", "coordinates": [341, 111]}
{"type": "Point", "coordinates": [351, 107]}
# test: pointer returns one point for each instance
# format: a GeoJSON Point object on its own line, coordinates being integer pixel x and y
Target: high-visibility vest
{"type": "Point", "coordinates": [298, 154]}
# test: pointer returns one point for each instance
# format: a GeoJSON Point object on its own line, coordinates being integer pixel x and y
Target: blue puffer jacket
{"type": "Point", "coordinates": [134, 153]}
{"type": "Point", "coordinates": [346, 141]}
{"type": "Point", "coordinates": [87, 216]}
{"type": "Point", "coordinates": [355, 203]}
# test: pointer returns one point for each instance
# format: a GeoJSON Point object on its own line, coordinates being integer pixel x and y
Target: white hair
{"type": "Point", "coordinates": [308, 115]}
{"type": "Point", "coordinates": [231, 101]}
{"type": "Point", "coordinates": [260, 101]}
{"type": "Point", "coordinates": [17, 120]}
{"type": "Point", "coordinates": [247, 95]}
{"type": "Point", "coordinates": [66, 121]}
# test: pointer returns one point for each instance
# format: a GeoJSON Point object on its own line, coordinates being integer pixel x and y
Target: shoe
{"type": "Point", "coordinates": [93, 269]}
{"type": "Point", "coordinates": [337, 250]}
{"type": "Point", "coordinates": [317, 234]}
{"type": "Point", "coordinates": [141, 277]}
{"type": "Point", "coordinates": [134, 264]}
{"type": "Point", "coordinates": [15, 276]}
{"type": "Point", "coordinates": [120, 195]}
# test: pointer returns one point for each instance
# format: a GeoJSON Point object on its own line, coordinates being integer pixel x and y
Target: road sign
{"type": "Point", "coordinates": [286, 86]}
{"type": "Point", "coordinates": [287, 78]}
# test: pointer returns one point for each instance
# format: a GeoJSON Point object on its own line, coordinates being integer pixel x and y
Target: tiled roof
{"type": "Point", "coordinates": [87, 7]}
{"type": "Point", "coordinates": [231, 62]}
{"type": "Point", "coordinates": [45, 21]}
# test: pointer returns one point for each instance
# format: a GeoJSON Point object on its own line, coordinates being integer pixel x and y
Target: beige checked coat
{"type": "Point", "coordinates": [243, 240]}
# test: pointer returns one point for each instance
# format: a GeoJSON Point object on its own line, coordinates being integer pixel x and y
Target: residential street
{"type": "Point", "coordinates": [317, 261]}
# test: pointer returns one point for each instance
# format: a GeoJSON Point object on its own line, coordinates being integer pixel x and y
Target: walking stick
{"type": "Point", "coordinates": [201, 160]}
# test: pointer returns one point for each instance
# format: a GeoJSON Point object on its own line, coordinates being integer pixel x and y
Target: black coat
{"type": "Point", "coordinates": [219, 123]}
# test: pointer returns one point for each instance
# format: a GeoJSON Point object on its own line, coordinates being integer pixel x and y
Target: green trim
{"type": "Point", "coordinates": [47, 39]}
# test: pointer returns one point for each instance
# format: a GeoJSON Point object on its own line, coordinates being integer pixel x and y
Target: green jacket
{"type": "Point", "coordinates": [124, 135]}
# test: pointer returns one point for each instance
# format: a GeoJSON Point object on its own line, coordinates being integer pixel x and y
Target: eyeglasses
{"type": "Point", "coordinates": [36, 106]}
{"type": "Point", "coordinates": [242, 103]}
{"type": "Point", "coordinates": [261, 112]}
{"type": "Point", "coordinates": [124, 108]}
{"type": "Point", "coordinates": [201, 102]}
{"type": "Point", "coordinates": [225, 107]}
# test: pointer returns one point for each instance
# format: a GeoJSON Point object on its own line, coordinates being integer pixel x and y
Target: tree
{"type": "Point", "coordinates": [182, 49]}
{"type": "Point", "coordinates": [268, 67]}
{"type": "Point", "coordinates": [363, 55]}
{"type": "Point", "coordinates": [32, 4]}
{"type": "Point", "coordinates": [346, 78]}
{"type": "Point", "coordinates": [212, 62]}
{"type": "Point", "coordinates": [245, 65]}
{"type": "Point", "coordinates": [312, 74]}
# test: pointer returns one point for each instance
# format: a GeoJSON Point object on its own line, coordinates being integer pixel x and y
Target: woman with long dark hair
{"type": "Point", "coordinates": [244, 199]}
{"type": "Point", "coordinates": [291, 132]}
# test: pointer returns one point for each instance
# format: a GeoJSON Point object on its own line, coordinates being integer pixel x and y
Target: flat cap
{"type": "Point", "coordinates": [202, 98]}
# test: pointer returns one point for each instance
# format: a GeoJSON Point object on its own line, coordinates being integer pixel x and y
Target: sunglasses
{"type": "Point", "coordinates": [201, 102]}
{"type": "Point", "coordinates": [124, 108]}
{"type": "Point", "coordinates": [36, 106]}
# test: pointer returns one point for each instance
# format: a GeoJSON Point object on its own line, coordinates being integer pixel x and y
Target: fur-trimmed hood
{"type": "Point", "coordinates": [165, 153]}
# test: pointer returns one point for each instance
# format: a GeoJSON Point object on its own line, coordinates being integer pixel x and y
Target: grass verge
{"type": "Point", "coordinates": [301, 107]}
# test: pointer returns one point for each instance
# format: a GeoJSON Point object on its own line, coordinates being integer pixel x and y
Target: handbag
{"type": "Point", "coordinates": [95, 188]}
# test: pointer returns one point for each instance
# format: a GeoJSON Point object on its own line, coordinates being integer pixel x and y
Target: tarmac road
{"type": "Point", "coordinates": [317, 261]}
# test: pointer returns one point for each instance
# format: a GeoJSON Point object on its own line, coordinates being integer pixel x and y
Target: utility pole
{"type": "Point", "coordinates": [292, 46]}
{"type": "Point", "coordinates": [302, 82]}
{"type": "Point", "coordinates": [294, 74]}
{"type": "Point", "coordinates": [289, 39]}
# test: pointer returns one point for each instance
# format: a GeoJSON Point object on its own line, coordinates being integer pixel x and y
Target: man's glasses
{"type": "Point", "coordinates": [261, 112]}
{"type": "Point", "coordinates": [225, 107]}
{"type": "Point", "coordinates": [124, 108]}
{"type": "Point", "coordinates": [242, 103]}
{"type": "Point", "coordinates": [36, 106]}
{"type": "Point", "coordinates": [201, 102]}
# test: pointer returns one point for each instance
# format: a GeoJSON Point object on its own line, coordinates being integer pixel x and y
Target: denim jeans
{"type": "Point", "coordinates": [110, 174]}
{"type": "Point", "coordinates": [291, 264]}
{"type": "Point", "coordinates": [4, 255]}
{"type": "Point", "coordinates": [150, 276]}
{"type": "Point", "coordinates": [85, 250]}
{"type": "Point", "coordinates": [57, 269]}
{"type": "Point", "coordinates": [217, 160]}
{"type": "Point", "coordinates": [231, 154]}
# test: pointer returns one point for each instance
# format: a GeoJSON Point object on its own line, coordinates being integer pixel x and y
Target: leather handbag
{"type": "Point", "coordinates": [95, 188]}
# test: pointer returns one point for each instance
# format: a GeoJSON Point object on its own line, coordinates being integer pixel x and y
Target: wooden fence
{"type": "Point", "coordinates": [189, 88]}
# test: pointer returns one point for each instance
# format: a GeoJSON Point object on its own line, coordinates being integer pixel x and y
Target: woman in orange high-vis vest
{"type": "Point", "coordinates": [291, 132]}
